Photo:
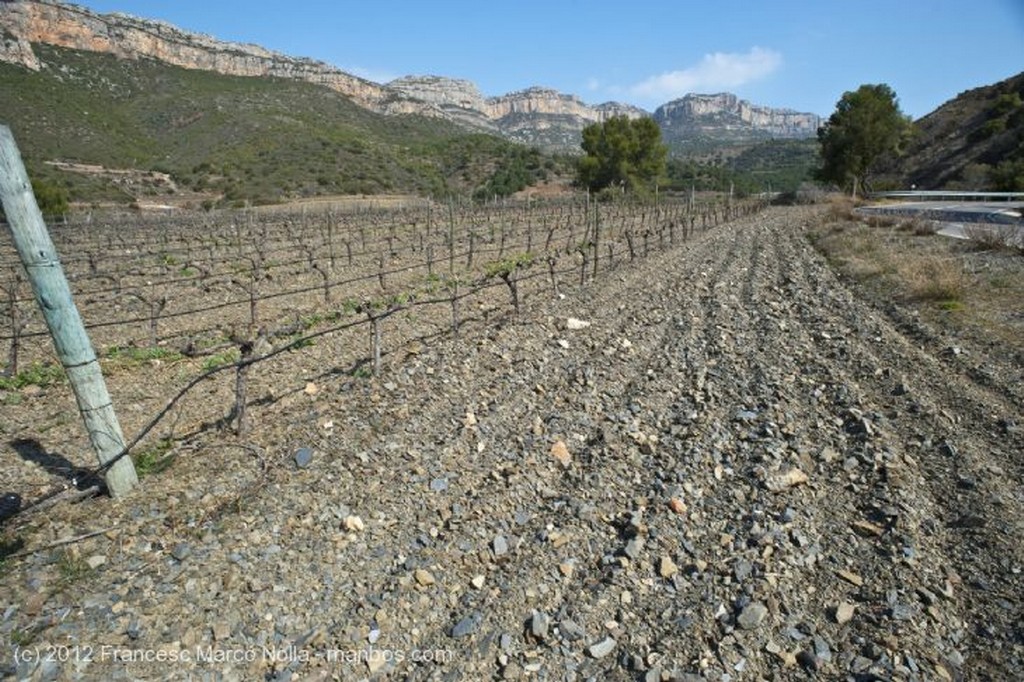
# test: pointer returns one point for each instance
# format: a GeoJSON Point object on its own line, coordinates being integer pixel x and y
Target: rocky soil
{"type": "Point", "coordinates": [719, 464]}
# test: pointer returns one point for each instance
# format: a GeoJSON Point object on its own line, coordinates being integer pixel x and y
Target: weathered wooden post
{"type": "Point", "coordinates": [50, 286]}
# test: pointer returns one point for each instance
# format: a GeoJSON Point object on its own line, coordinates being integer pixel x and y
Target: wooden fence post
{"type": "Point", "coordinates": [52, 293]}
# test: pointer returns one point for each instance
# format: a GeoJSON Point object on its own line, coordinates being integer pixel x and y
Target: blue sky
{"type": "Point", "coordinates": [785, 53]}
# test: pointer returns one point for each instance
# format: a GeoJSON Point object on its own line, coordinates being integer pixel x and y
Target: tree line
{"type": "Point", "coordinates": [628, 155]}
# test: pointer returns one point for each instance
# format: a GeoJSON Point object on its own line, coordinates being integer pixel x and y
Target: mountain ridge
{"type": "Point", "coordinates": [535, 115]}
{"type": "Point", "coordinates": [974, 141]}
{"type": "Point", "coordinates": [698, 111]}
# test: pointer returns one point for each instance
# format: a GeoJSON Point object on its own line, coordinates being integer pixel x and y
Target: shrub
{"type": "Point", "coordinates": [840, 209]}
{"type": "Point", "coordinates": [939, 280]}
{"type": "Point", "coordinates": [995, 237]}
{"type": "Point", "coordinates": [1006, 103]}
{"type": "Point", "coordinates": [52, 199]}
{"type": "Point", "coordinates": [918, 226]}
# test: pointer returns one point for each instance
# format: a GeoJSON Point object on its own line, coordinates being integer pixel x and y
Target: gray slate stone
{"type": "Point", "coordinates": [602, 648]}
{"type": "Point", "coordinates": [303, 457]}
{"type": "Point", "coordinates": [467, 625]}
{"type": "Point", "coordinates": [752, 615]}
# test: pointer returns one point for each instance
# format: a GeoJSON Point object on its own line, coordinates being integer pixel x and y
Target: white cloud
{"type": "Point", "coordinates": [716, 71]}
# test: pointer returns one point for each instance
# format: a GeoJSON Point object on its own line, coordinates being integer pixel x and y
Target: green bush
{"type": "Point", "coordinates": [1006, 103]}
{"type": "Point", "coordinates": [52, 199]}
{"type": "Point", "coordinates": [38, 374]}
{"type": "Point", "coordinates": [1008, 176]}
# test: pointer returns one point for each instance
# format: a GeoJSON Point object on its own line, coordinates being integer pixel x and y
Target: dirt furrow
{"type": "Point", "coordinates": [738, 470]}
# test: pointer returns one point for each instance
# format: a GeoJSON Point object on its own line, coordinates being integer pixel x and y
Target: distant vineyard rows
{"type": "Point", "coordinates": [197, 284]}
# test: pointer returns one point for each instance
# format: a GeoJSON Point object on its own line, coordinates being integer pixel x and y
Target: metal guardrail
{"type": "Point", "coordinates": [948, 195]}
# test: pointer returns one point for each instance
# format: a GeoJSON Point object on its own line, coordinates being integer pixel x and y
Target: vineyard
{"type": "Point", "coordinates": [607, 442]}
{"type": "Point", "coordinates": [222, 293]}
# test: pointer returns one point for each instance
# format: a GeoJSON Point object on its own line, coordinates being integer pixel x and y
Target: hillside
{"type": "Point", "coordinates": [696, 123]}
{"type": "Point", "coordinates": [223, 138]}
{"type": "Point", "coordinates": [535, 116]}
{"type": "Point", "coordinates": [973, 142]}
{"type": "Point", "coordinates": [772, 165]}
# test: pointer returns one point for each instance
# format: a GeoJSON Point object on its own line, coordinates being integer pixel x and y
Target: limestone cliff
{"type": "Point", "coordinates": [454, 99]}
{"type": "Point", "coordinates": [23, 22]}
{"type": "Point", "coordinates": [548, 118]}
{"type": "Point", "coordinates": [536, 116]}
{"type": "Point", "coordinates": [706, 114]}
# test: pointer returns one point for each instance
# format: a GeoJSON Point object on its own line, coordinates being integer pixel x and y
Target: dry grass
{"type": "Point", "coordinates": [996, 238]}
{"type": "Point", "coordinates": [951, 282]}
{"type": "Point", "coordinates": [919, 227]}
{"type": "Point", "coordinates": [891, 261]}
{"type": "Point", "coordinates": [934, 279]}
{"type": "Point", "coordinates": [840, 209]}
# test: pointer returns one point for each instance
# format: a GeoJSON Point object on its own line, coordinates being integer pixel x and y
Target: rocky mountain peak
{"type": "Point", "coordinates": [537, 115]}
{"type": "Point", "coordinates": [697, 114]}
{"type": "Point", "coordinates": [440, 91]}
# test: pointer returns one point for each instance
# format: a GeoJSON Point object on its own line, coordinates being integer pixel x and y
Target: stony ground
{"type": "Point", "coordinates": [739, 470]}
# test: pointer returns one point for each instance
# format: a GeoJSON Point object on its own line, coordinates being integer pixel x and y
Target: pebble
{"type": "Point", "coordinates": [376, 664]}
{"type": "Point", "coordinates": [467, 625]}
{"type": "Point", "coordinates": [843, 612]}
{"type": "Point", "coordinates": [752, 615]}
{"type": "Point", "coordinates": [303, 457]}
{"type": "Point", "coordinates": [574, 324]}
{"type": "Point", "coordinates": [500, 546]}
{"type": "Point", "coordinates": [667, 567]}
{"type": "Point", "coordinates": [822, 649]}
{"type": "Point", "coordinates": [634, 547]}
{"type": "Point", "coordinates": [850, 577]}
{"type": "Point", "coordinates": [902, 611]}
{"type": "Point", "coordinates": [777, 483]}
{"type": "Point", "coordinates": [561, 453]}
{"type": "Point", "coordinates": [570, 630]}
{"type": "Point", "coordinates": [181, 551]}
{"type": "Point", "coordinates": [539, 624]}
{"type": "Point", "coordinates": [866, 529]}
{"type": "Point", "coordinates": [808, 660]}
{"type": "Point", "coordinates": [602, 648]}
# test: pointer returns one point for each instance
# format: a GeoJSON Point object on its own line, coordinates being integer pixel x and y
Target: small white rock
{"type": "Point", "coordinates": [602, 648]}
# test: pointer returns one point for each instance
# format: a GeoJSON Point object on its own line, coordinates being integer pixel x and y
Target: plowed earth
{"type": "Point", "coordinates": [740, 470]}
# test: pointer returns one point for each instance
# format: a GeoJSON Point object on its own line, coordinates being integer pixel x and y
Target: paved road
{"type": "Point", "coordinates": [959, 218]}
